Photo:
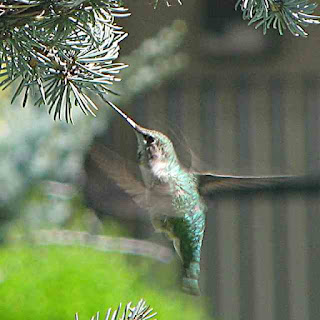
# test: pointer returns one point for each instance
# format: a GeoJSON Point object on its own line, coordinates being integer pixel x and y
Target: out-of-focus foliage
{"type": "Point", "coordinates": [41, 160]}
{"type": "Point", "coordinates": [153, 62]}
{"type": "Point", "coordinates": [56, 282]}
{"type": "Point", "coordinates": [34, 158]}
{"type": "Point", "coordinates": [63, 48]}
{"type": "Point", "coordinates": [279, 14]}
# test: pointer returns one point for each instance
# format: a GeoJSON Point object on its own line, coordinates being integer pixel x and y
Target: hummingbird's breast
{"type": "Point", "coordinates": [175, 186]}
{"type": "Point", "coordinates": [154, 172]}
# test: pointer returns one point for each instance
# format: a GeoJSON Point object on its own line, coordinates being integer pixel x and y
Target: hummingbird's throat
{"type": "Point", "coordinates": [154, 170]}
{"type": "Point", "coordinates": [159, 168]}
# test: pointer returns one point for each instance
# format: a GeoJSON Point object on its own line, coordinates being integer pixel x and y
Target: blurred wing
{"type": "Point", "coordinates": [117, 169]}
{"type": "Point", "coordinates": [156, 200]}
{"type": "Point", "coordinates": [114, 167]}
{"type": "Point", "coordinates": [212, 184]}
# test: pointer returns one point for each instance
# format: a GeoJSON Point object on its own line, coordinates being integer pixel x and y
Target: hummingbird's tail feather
{"type": "Point", "coordinates": [191, 286]}
{"type": "Point", "coordinates": [190, 280]}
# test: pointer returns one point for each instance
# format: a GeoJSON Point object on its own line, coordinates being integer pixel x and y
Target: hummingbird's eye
{"type": "Point", "coordinates": [149, 139]}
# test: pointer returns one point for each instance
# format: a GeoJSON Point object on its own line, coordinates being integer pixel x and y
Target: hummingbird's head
{"type": "Point", "coordinates": [153, 146]}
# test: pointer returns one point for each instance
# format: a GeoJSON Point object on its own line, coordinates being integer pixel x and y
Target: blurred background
{"type": "Point", "coordinates": [244, 104]}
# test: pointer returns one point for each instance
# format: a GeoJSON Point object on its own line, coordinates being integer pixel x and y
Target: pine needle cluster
{"type": "Point", "coordinates": [279, 14]}
{"type": "Point", "coordinates": [140, 312]}
{"type": "Point", "coordinates": [63, 48]}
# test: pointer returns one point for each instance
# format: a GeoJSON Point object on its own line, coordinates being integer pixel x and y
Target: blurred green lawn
{"type": "Point", "coordinates": [55, 282]}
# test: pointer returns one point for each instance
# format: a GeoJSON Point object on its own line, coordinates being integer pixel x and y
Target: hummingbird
{"type": "Point", "coordinates": [175, 196]}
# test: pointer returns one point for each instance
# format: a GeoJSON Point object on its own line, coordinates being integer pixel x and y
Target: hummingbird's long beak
{"type": "Point", "coordinates": [133, 124]}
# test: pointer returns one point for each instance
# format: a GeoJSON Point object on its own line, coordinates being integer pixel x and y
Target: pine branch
{"type": "Point", "coordinates": [140, 312]}
{"type": "Point", "coordinates": [279, 14]}
{"type": "Point", "coordinates": [64, 48]}
{"type": "Point", "coordinates": [100, 243]}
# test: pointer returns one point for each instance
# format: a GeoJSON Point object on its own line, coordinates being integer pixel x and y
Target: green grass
{"type": "Point", "coordinates": [52, 283]}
